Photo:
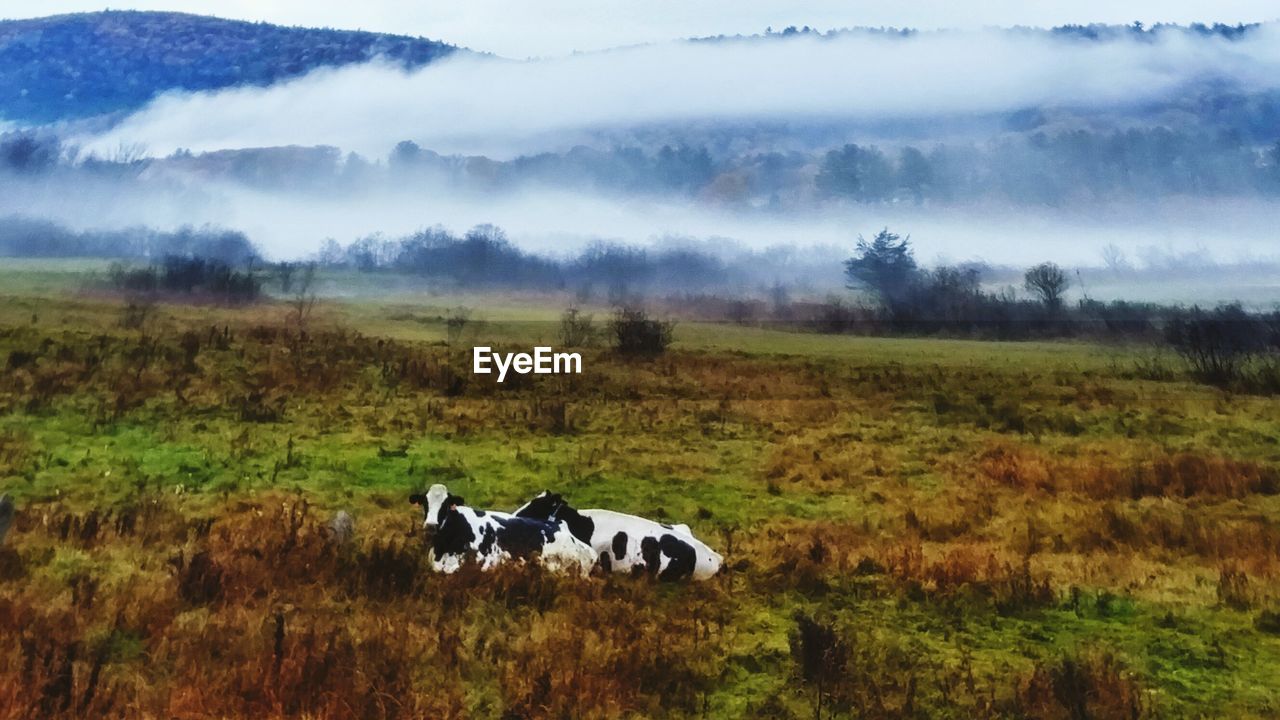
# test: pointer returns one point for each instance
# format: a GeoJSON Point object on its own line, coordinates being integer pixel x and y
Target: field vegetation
{"type": "Point", "coordinates": [913, 527]}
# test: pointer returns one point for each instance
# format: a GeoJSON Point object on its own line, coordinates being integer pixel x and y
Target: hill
{"type": "Point", "coordinates": [77, 66]}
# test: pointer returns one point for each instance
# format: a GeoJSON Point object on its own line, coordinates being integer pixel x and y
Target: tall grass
{"type": "Point", "coordinates": [1009, 532]}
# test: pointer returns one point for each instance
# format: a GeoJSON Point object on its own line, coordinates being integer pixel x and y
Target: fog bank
{"type": "Point", "coordinates": [293, 224]}
{"type": "Point", "coordinates": [499, 108]}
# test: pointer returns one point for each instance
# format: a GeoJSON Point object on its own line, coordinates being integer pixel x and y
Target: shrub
{"type": "Point", "coordinates": [1233, 587]}
{"type": "Point", "coordinates": [1090, 685]}
{"type": "Point", "coordinates": [1218, 344]}
{"type": "Point", "coordinates": [837, 316]}
{"type": "Point", "coordinates": [858, 672]}
{"type": "Point", "coordinates": [455, 322]}
{"type": "Point", "coordinates": [200, 579]}
{"type": "Point", "coordinates": [636, 334]}
{"type": "Point", "coordinates": [1122, 318]}
{"type": "Point", "coordinates": [1268, 621]}
{"type": "Point", "coordinates": [189, 275]}
{"type": "Point", "coordinates": [820, 656]}
{"type": "Point", "coordinates": [576, 329]}
{"type": "Point", "coordinates": [137, 309]}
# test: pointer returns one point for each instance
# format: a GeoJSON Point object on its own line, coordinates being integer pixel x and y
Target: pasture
{"type": "Point", "coordinates": [911, 527]}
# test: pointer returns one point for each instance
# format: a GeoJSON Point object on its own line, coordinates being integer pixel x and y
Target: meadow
{"type": "Point", "coordinates": [912, 527]}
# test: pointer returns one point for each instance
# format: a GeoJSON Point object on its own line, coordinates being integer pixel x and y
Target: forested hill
{"type": "Point", "coordinates": [77, 66]}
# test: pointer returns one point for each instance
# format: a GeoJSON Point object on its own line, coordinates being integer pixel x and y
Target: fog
{"type": "Point", "coordinates": [1202, 199]}
{"type": "Point", "coordinates": [499, 108]}
{"type": "Point", "coordinates": [292, 224]}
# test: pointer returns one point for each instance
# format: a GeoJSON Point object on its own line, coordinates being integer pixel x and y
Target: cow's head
{"type": "Point", "coordinates": [543, 506]}
{"type": "Point", "coordinates": [436, 503]}
{"type": "Point", "coordinates": [552, 506]}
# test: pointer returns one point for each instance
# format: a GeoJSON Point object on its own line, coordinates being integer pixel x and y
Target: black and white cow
{"type": "Point", "coordinates": [630, 544]}
{"type": "Point", "coordinates": [491, 538]}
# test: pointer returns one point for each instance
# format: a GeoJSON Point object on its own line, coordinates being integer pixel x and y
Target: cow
{"type": "Point", "coordinates": [630, 544]}
{"type": "Point", "coordinates": [491, 538]}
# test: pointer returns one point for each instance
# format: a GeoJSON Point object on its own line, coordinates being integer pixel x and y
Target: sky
{"type": "Point", "coordinates": [521, 28]}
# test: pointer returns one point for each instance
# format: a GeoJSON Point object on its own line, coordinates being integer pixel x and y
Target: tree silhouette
{"type": "Point", "coordinates": [885, 266]}
{"type": "Point", "coordinates": [1048, 281]}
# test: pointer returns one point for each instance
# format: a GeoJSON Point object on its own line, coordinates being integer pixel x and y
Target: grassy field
{"type": "Point", "coordinates": [913, 527]}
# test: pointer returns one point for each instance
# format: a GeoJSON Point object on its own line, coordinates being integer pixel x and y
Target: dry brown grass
{"type": "Point", "coordinates": [1101, 476]}
{"type": "Point", "coordinates": [1092, 684]}
{"type": "Point", "coordinates": [924, 528]}
{"type": "Point", "coordinates": [264, 616]}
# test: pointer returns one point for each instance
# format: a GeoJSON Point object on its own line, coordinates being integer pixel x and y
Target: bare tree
{"type": "Point", "coordinates": [1048, 281]}
{"type": "Point", "coordinates": [1114, 258]}
{"type": "Point", "coordinates": [455, 322]}
{"type": "Point", "coordinates": [285, 272]}
{"type": "Point", "coordinates": [576, 329]}
{"type": "Point", "coordinates": [304, 295]}
{"type": "Point", "coordinates": [139, 308]}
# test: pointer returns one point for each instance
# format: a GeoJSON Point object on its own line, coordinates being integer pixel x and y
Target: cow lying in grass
{"type": "Point", "coordinates": [630, 544]}
{"type": "Point", "coordinates": [491, 538]}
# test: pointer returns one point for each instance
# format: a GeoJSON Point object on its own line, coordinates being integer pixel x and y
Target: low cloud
{"type": "Point", "coordinates": [497, 107]}
{"type": "Point", "coordinates": [293, 224]}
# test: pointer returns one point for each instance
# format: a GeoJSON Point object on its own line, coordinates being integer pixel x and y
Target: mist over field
{"type": "Point", "coordinates": [1005, 147]}
{"type": "Point", "coordinates": [291, 224]}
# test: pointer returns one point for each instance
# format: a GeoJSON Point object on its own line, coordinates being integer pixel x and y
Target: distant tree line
{"type": "Point", "coordinates": [209, 263]}
{"type": "Point", "coordinates": [1056, 168]}
{"type": "Point", "coordinates": [897, 296]}
{"type": "Point", "coordinates": [907, 298]}
{"type": "Point", "coordinates": [28, 237]}
{"type": "Point", "coordinates": [1226, 346]}
{"type": "Point", "coordinates": [1094, 31]}
{"type": "Point", "coordinates": [485, 257]}
{"type": "Point", "coordinates": [198, 277]}
{"type": "Point", "coordinates": [1034, 168]}
{"type": "Point", "coordinates": [901, 297]}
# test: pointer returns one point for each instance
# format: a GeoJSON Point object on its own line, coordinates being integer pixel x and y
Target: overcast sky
{"type": "Point", "coordinates": [522, 28]}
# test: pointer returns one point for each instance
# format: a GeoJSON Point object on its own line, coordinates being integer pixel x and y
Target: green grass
{"type": "Point", "coordinates": [764, 440]}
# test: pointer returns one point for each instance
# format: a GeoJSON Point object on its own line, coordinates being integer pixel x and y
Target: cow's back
{"type": "Point", "coordinates": [629, 543]}
{"type": "Point", "coordinates": [494, 537]}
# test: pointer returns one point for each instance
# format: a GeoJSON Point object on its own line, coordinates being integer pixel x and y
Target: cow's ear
{"type": "Point", "coordinates": [454, 501]}
{"type": "Point", "coordinates": [417, 499]}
